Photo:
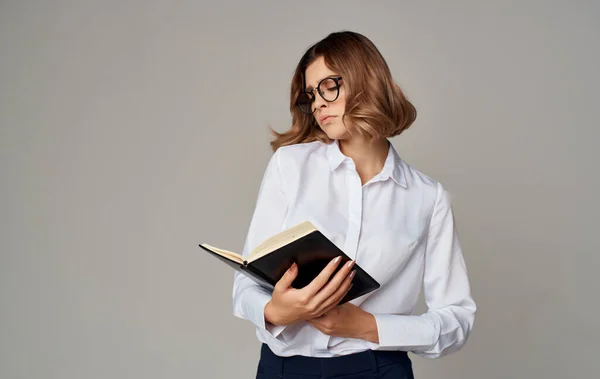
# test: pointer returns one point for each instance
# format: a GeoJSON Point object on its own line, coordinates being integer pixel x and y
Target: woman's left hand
{"type": "Point", "coordinates": [349, 321]}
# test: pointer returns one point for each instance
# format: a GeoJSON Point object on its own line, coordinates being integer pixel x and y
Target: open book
{"type": "Point", "coordinates": [303, 244]}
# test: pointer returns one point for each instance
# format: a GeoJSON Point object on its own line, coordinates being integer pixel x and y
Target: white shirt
{"type": "Point", "coordinates": [399, 227]}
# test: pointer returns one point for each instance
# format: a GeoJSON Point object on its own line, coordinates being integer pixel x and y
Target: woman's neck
{"type": "Point", "coordinates": [368, 157]}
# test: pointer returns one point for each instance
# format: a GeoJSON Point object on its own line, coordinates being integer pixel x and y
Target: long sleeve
{"type": "Point", "coordinates": [451, 310]}
{"type": "Point", "coordinates": [249, 299]}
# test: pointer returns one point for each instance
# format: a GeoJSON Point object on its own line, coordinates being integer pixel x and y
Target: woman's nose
{"type": "Point", "coordinates": [320, 102]}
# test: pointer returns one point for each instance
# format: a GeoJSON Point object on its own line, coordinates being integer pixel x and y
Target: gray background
{"type": "Point", "coordinates": [131, 131]}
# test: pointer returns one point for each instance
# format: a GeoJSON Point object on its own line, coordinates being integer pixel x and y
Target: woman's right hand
{"type": "Point", "coordinates": [289, 304]}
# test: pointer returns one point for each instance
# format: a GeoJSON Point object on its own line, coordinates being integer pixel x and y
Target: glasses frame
{"type": "Point", "coordinates": [311, 94]}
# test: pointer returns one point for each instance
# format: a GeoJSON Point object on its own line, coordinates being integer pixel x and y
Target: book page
{"type": "Point", "coordinates": [281, 239]}
{"type": "Point", "coordinates": [228, 254]}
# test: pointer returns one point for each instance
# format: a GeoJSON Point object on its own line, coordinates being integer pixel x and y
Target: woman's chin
{"type": "Point", "coordinates": [336, 132]}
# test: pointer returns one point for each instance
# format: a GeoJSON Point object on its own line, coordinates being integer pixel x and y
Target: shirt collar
{"type": "Point", "coordinates": [392, 167]}
{"type": "Point", "coordinates": [334, 155]}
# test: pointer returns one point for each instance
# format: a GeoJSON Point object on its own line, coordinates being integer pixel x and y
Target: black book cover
{"type": "Point", "coordinates": [311, 253]}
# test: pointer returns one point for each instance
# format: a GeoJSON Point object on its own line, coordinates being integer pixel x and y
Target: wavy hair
{"type": "Point", "coordinates": [376, 107]}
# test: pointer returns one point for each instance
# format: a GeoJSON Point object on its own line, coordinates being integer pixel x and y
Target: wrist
{"type": "Point", "coordinates": [370, 331]}
{"type": "Point", "coordinates": [271, 314]}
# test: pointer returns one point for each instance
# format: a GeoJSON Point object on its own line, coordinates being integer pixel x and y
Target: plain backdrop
{"type": "Point", "coordinates": [131, 131]}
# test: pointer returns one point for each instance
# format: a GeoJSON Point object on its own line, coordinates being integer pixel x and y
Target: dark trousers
{"type": "Point", "coordinates": [367, 364]}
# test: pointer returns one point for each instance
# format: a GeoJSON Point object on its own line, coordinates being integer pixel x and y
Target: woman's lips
{"type": "Point", "coordinates": [326, 118]}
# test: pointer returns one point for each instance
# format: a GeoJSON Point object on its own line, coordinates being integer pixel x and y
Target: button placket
{"type": "Point", "coordinates": [355, 191]}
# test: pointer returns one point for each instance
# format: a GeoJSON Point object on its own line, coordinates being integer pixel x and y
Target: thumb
{"type": "Point", "coordinates": [288, 278]}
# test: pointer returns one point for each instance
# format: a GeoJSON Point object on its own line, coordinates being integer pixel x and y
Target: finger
{"type": "Point", "coordinates": [338, 295]}
{"type": "Point", "coordinates": [332, 305]}
{"type": "Point", "coordinates": [341, 297]}
{"type": "Point", "coordinates": [288, 278]}
{"type": "Point", "coordinates": [320, 280]}
{"type": "Point", "coordinates": [334, 284]}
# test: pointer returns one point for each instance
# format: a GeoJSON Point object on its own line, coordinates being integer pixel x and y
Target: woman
{"type": "Point", "coordinates": [336, 168]}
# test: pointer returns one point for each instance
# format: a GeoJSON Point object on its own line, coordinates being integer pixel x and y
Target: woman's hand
{"type": "Point", "coordinates": [288, 304]}
{"type": "Point", "coordinates": [349, 321]}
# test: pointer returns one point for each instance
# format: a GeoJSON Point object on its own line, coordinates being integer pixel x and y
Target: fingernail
{"type": "Point", "coordinates": [353, 273]}
{"type": "Point", "coordinates": [336, 260]}
{"type": "Point", "coordinates": [350, 264]}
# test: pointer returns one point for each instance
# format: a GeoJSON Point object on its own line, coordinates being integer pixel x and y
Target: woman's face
{"type": "Point", "coordinates": [327, 114]}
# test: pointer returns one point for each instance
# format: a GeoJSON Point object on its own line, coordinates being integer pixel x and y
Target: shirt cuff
{"type": "Point", "coordinates": [275, 330]}
{"type": "Point", "coordinates": [254, 302]}
{"type": "Point", "coordinates": [404, 332]}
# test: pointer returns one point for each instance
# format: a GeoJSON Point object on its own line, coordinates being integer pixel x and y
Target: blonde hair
{"type": "Point", "coordinates": [375, 104]}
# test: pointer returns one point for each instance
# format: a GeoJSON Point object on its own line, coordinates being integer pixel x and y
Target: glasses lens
{"type": "Point", "coordinates": [329, 89]}
{"type": "Point", "coordinates": [305, 101]}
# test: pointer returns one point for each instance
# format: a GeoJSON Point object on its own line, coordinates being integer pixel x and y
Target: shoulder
{"type": "Point", "coordinates": [416, 177]}
{"type": "Point", "coordinates": [300, 153]}
{"type": "Point", "coordinates": [421, 183]}
{"type": "Point", "coordinates": [301, 149]}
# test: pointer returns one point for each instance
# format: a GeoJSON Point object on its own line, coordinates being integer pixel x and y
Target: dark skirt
{"type": "Point", "coordinates": [367, 364]}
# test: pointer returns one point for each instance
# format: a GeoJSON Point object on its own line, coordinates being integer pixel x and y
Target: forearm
{"type": "Point", "coordinates": [368, 329]}
{"type": "Point", "coordinates": [249, 300]}
{"type": "Point", "coordinates": [432, 335]}
{"type": "Point", "coordinates": [271, 315]}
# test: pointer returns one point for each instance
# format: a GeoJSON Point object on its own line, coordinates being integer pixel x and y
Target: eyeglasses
{"type": "Point", "coordinates": [329, 89]}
